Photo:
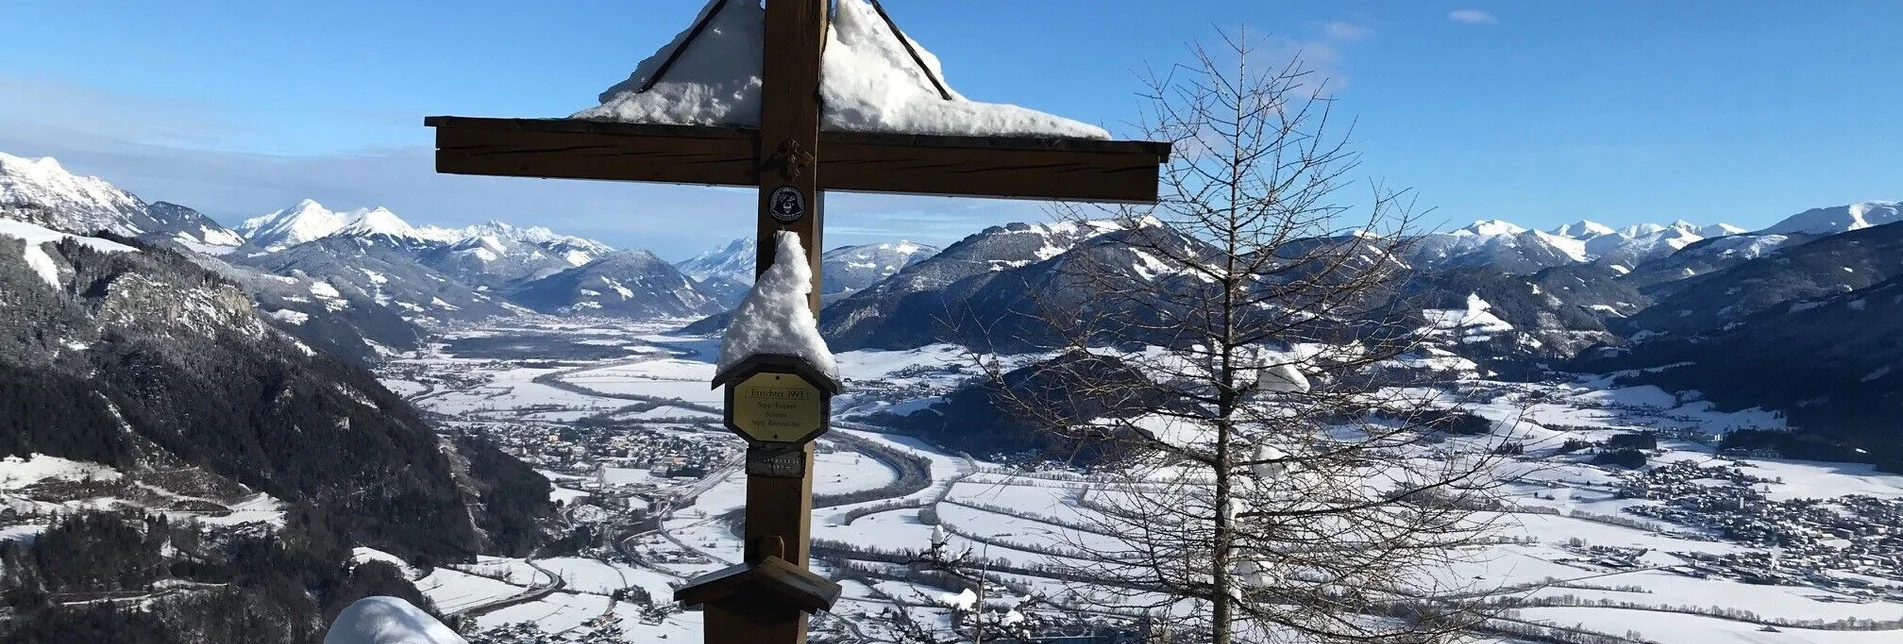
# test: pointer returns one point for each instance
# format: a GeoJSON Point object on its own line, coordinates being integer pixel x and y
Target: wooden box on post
{"type": "Point", "coordinates": [769, 581]}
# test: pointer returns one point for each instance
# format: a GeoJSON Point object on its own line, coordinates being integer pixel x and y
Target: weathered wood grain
{"type": "Point", "coordinates": [716, 161]}
{"type": "Point", "coordinates": [1015, 168]}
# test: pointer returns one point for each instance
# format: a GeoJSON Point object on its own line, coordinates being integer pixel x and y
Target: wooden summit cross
{"type": "Point", "coordinates": [793, 162]}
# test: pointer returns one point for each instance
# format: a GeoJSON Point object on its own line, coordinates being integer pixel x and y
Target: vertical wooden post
{"type": "Point", "coordinates": [789, 126]}
{"type": "Point", "coordinates": [779, 509]}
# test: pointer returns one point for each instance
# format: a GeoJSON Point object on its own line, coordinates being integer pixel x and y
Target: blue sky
{"type": "Point", "coordinates": [1540, 111]}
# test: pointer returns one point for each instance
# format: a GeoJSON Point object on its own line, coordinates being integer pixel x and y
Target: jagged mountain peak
{"type": "Point", "coordinates": [847, 269]}
{"type": "Point", "coordinates": [309, 220]}
{"type": "Point", "coordinates": [1512, 248]}
{"type": "Point", "coordinates": [45, 192]}
{"type": "Point", "coordinates": [379, 221]}
{"type": "Point", "coordinates": [1584, 228]}
{"type": "Point", "coordinates": [81, 203]}
{"type": "Point", "coordinates": [532, 234]}
{"type": "Point", "coordinates": [731, 261]}
{"type": "Point", "coordinates": [305, 221]}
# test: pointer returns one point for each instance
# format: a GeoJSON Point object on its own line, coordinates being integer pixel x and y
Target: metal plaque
{"type": "Point", "coordinates": [768, 459]}
{"type": "Point", "coordinates": [770, 407]}
{"type": "Point", "coordinates": [786, 204]}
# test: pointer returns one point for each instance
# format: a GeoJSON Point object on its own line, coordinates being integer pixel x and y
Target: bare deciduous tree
{"type": "Point", "coordinates": [1242, 348]}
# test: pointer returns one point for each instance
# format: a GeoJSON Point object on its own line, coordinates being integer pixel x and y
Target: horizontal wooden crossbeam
{"type": "Point", "coordinates": [1000, 167]}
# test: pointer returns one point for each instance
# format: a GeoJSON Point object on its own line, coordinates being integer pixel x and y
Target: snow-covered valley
{"type": "Point", "coordinates": [1747, 546]}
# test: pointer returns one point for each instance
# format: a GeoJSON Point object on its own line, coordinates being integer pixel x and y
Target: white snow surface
{"type": "Point", "coordinates": [773, 319]}
{"type": "Point", "coordinates": [310, 221]}
{"type": "Point", "coordinates": [388, 620]}
{"type": "Point", "coordinates": [36, 256]}
{"type": "Point", "coordinates": [44, 181]}
{"type": "Point", "coordinates": [19, 473]}
{"type": "Point", "coordinates": [868, 83]}
{"type": "Point", "coordinates": [1840, 219]}
{"type": "Point", "coordinates": [1474, 323]}
{"type": "Point", "coordinates": [1582, 241]}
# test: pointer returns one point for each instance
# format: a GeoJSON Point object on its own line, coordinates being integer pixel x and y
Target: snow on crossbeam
{"type": "Point", "coordinates": [997, 167]}
{"type": "Point", "coordinates": [869, 81]}
{"type": "Point", "coordinates": [913, 141]}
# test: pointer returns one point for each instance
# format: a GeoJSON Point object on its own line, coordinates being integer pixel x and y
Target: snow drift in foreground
{"type": "Point", "coordinates": [388, 620]}
{"type": "Point", "coordinates": [773, 319]}
{"type": "Point", "coordinates": [868, 83]}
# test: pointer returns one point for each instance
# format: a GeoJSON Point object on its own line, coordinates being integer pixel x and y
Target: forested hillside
{"type": "Point", "coordinates": [194, 415]}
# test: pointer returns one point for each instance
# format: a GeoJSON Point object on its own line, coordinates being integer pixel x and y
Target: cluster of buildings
{"type": "Point", "coordinates": [583, 449]}
{"type": "Point", "coordinates": [1797, 541]}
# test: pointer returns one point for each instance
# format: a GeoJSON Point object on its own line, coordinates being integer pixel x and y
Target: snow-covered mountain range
{"type": "Point", "coordinates": [310, 221]}
{"type": "Point", "coordinates": [1505, 246]}
{"type": "Point", "coordinates": [46, 193]}
{"type": "Point", "coordinates": [843, 270]}
{"type": "Point", "coordinates": [1563, 288]}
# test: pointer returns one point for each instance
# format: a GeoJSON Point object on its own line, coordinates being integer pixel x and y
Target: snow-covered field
{"type": "Point", "coordinates": [1580, 553]}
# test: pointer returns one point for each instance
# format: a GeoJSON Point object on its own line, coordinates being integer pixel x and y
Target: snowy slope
{"type": "Point", "coordinates": [46, 193]}
{"type": "Point", "coordinates": [192, 230]}
{"type": "Point", "coordinates": [869, 83]}
{"type": "Point", "coordinates": [991, 288]}
{"type": "Point", "coordinates": [1505, 246]}
{"type": "Point", "coordinates": [84, 204]}
{"type": "Point", "coordinates": [1474, 323]}
{"type": "Point", "coordinates": [305, 221]}
{"type": "Point", "coordinates": [1712, 300]}
{"type": "Point", "coordinates": [310, 221]}
{"type": "Point", "coordinates": [379, 270]}
{"type": "Point", "coordinates": [496, 254]}
{"type": "Point", "coordinates": [627, 283]}
{"type": "Point", "coordinates": [1497, 244]}
{"type": "Point", "coordinates": [843, 270]}
{"type": "Point", "coordinates": [1838, 219]}
{"type": "Point", "coordinates": [380, 221]}
{"type": "Point", "coordinates": [731, 261]}
{"type": "Point", "coordinates": [848, 269]}
{"type": "Point", "coordinates": [35, 255]}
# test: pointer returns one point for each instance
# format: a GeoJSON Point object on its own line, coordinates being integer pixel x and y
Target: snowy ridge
{"type": "Point", "coordinates": [94, 203]}
{"type": "Point", "coordinates": [45, 193]}
{"type": "Point", "coordinates": [733, 261]}
{"type": "Point", "coordinates": [574, 250]}
{"type": "Point", "coordinates": [869, 83]}
{"type": "Point", "coordinates": [310, 221]}
{"type": "Point", "coordinates": [1839, 219]}
{"type": "Point", "coordinates": [1506, 246]}
{"type": "Point", "coordinates": [848, 269]}
{"type": "Point", "coordinates": [1475, 323]}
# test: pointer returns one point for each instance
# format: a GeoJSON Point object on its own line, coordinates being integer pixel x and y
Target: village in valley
{"type": "Point", "coordinates": [1227, 393]}
{"type": "Point", "coordinates": [1692, 541]}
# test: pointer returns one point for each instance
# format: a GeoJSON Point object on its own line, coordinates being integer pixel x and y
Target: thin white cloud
{"type": "Point", "coordinates": [1344, 31]}
{"type": "Point", "coordinates": [1472, 17]}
